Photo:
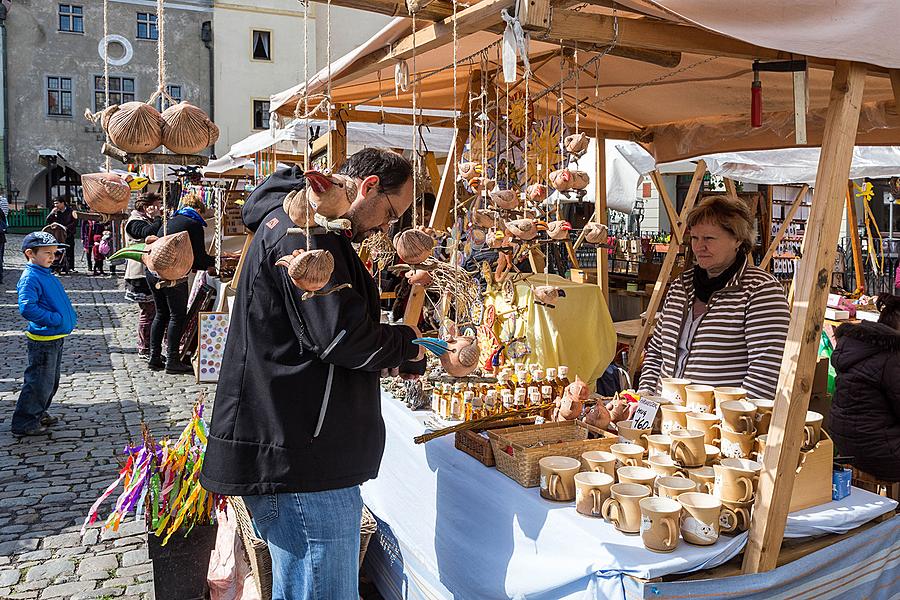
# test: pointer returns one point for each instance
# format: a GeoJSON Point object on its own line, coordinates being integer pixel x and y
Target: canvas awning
{"type": "Point", "coordinates": [701, 106]}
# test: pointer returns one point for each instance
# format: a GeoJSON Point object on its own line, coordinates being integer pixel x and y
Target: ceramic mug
{"type": "Point", "coordinates": [736, 445]}
{"type": "Point", "coordinates": [700, 398]}
{"type": "Point", "coordinates": [658, 445]}
{"type": "Point", "coordinates": [660, 520]}
{"type": "Point", "coordinates": [558, 477]}
{"type": "Point", "coordinates": [688, 448]}
{"type": "Point", "coordinates": [599, 461]}
{"type": "Point", "coordinates": [623, 508]}
{"type": "Point", "coordinates": [704, 477]}
{"type": "Point", "coordinates": [732, 484]}
{"type": "Point", "coordinates": [629, 435]}
{"type": "Point", "coordinates": [664, 466]}
{"type": "Point", "coordinates": [738, 415]}
{"type": "Point", "coordinates": [591, 491]}
{"type": "Point", "coordinates": [629, 455]}
{"type": "Point", "coordinates": [673, 389]}
{"type": "Point", "coordinates": [764, 410]}
{"type": "Point", "coordinates": [704, 517]}
{"type": "Point", "coordinates": [813, 429]}
{"type": "Point", "coordinates": [723, 394]}
{"type": "Point", "coordinates": [743, 511]}
{"type": "Point", "coordinates": [673, 417]}
{"type": "Point", "coordinates": [657, 422]}
{"type": "Point", "coordinates": [713, 454]}
{"type": "Point", "coordinates": [672, 487]}
{"type": "Point", "coordinates": [759, 447]}
{"type": "Point", "coordinates": [638, 475]}
{"type": "Point", "coordinates": [709, 423]}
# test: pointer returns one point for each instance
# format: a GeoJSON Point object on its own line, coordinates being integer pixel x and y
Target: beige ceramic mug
{"type": "Point", "coordinates": [713, 454]}
{"type": "Point", "coordinates": [638, 475]}
{"type": "Point", "coordinates": [660, 520]}
{"type": "Point", "coordinates": [657, 422]}
{"type": "Point", "coordinates": [673, 389]}
{"type": "Point", "coordinates": [724, 394]}
{"type": "Point", "coordinates": [672, 487]}
{"type": "Point", "coordinates": [704, 517]}
{"type": "Point", "coordinates": [764, 410]}
{"type": "Point", "coordinates": [558, 477]}
{"type": "Point", "coordinates": [629, 455]}
{"type": "Point", "coordinates": [623, 508]}
{"type": "Point", "coordinates": [732, 484]}
{"type": "Point", "coordinates": [629, 435]}
{"type": "Point", "coordinates": [700, 398]}
{"type": "Point", "coordinates": [664, 466]}
{"type": "Point", "coordinates": [673, 417]}
{"type": "Point", "coordinates": [704, 477]}
{"type": "Point", "coordinates": [742, 511]}
{"type": "Point", "coordinates": [599, 461]}
{"type": "Point", "coordinates": [658, 444]}
{"type": "Point", "coordinates": [736, 445]}
{"type": "Point", "coordinates": [591, 491]}
{"type": "Point", "coordinates": [759, 447]}
{"type": "Point", "coordinates": [688, 448]}
{"type": "Point", "coordinates": [813, 429]}
{"type": "Point", "coordinates": [708, 423]}
{"type": "Point", "coordinates": [738, 415]}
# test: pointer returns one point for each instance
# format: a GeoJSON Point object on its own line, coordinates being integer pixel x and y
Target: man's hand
{"type": "Point", "coordinates": [390, 372]}
{"type": "Point", "coordinates": [421, 354]}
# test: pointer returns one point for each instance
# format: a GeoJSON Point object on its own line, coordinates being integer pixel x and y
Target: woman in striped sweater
{"type": "Point", "coordinates": [724, 321]}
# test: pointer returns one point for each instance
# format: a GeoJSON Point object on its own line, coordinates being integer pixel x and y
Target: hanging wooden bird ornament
{"type": "Point", "coordinates": [483, 184]}
{"type": "Point", "coordinates": [564, 180]}
{"type": "Point", "coordinates": [525, 229]}
{"type": "Point", "coordinates": [576, 143]}
{"type": "Point", "coordinates": [170, 256]}
{"type": "Point", "coordinates": [536, 192]}
{"type": "Point", "coordinates": [414, 246]}
{"type": "Point", "coordinates": [548, 295]}
{"type": "Point", "coordinates": [469, 170]}
{"type": "Point", "coordinates": [105, 193]}
{"type": "Point", "coordinates": [309, 270]}
{"type": "Point", "coordinates": [458, 354]}
{"type": "Point", "coordinates": [595, 233]}
{"type": "Point", "coordinates": [558, 230]}
{"type": "Point", "coordinates": [505, 199]}
{"type": "Point", "coordinates": [330, 195]}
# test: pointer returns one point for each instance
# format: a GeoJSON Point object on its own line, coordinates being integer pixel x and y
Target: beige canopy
{"type": "Point", "coordinates": [679, 89]}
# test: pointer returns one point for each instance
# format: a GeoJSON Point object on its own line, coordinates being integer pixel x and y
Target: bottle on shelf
{"type": "Point", "coordinates": [456, 406]}
{"type": "Point", "coordinates": [446, 400]}
{"type": "Point", "coordinates": [468, 401]}
{"type": "Point", "coordinates": [507, 403]}
{"type": "Point", "coordinates": [534, 398]}
{"type": "Point", "coordinates": [520, 398]}
{"type": "Point", "coordinates": [491, 400]}
{"type": "Point", "coordinates": [478, 408]}
{"type": "Point", "coordinates": [523, 377]}
{"type": "Point", "coordinates": [562, 376]}
{"type": "Point", "coordinates": [550, 380]}
{"type": "Point", "coordinates": [436, 395]}
{"type": "Point", "coordinates": [537, 379]}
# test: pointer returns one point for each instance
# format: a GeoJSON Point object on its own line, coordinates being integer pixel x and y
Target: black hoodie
{"type": "Point", "coordinates": [865, 410]}
{"type": "Point", "coordinates": [298, 405]}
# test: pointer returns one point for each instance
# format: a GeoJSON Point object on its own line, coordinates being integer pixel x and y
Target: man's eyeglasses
{"type": "Point", "coordinates": [394, 217]}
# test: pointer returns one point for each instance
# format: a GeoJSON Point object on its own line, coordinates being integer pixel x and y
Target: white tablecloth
{"type": "Point", "coordinates": [454, 528]}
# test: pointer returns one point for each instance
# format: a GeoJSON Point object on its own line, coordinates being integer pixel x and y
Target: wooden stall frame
{"type": "Point", "coordinates": [773, 245]}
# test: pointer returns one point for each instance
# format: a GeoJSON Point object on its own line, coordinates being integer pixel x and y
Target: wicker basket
{"type": "Point", "coordinates": [258, 550]}
{"type": "Point", "coordinates": [517, 450]}
{"type": "Point", "coordinates": [478, 446]}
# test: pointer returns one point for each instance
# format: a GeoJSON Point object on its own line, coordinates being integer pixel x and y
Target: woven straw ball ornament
{"type": "Point", "coordinates": [134, 127]}
{"type": "Point", "coordinates": [171, 256]}
{"type": "Point", "coordinates": [413, 246]}
{"type": "Point", "coordinates": [186, 129]}
{"type": "Point", "coordinates": [298, 209]}
{"type": "Point", "coordinates": [309, 270]}
{"type": "Point", "coordinates": [106, 193]}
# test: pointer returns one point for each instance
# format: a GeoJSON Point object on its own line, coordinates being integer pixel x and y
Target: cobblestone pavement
{"type": "Point", "coordinates": [47, 484]}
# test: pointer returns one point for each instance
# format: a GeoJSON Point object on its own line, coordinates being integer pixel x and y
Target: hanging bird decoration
{"type": "Point", "coordinates": [564, 180]}
{"type": "Point", "coordinates": [482, 184]}
{"type": "Point", "coordinates": [577, 143]}
{"type": "Point", "coordinates": [505, 199]}
{"type": "Point", "coordinates": [595, 233]}
{"type": "Point", "coordinates": [414, 246]}
{"type": "Point", "coordinates": [310, 271]}
{"type": "Point", "coordinates": [469, 170]}
{"type": "Point", "coordinates": [105, 193]}
{"type": "Point", "coordinates": [536, 192]}
{"type": "Point", "coordinates": [458, 354]}
{"type": "Point", "coordinates": [525, 229]}
{"type": "Point", "coordinates": [548, 295]}
{"type": "Point", "coordinates": [169, 256]}
{"type": "Point", "coordinates": [329, 194]}
{"type": "Point", "coordinates": [485, 218]}
{"type": "Point", "coordinates": [558, 230]}
{"type": "Point", "coordinates": [298, 209]}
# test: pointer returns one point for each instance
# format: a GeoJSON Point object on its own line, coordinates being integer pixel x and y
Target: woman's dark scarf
{"type": "Point", "coordinates": [705, 286]}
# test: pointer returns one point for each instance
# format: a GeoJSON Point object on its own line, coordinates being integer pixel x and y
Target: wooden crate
{"type": "Point", "coordinates": [812, 486]}
{"type": "Point", "coordinates": [517, 450]}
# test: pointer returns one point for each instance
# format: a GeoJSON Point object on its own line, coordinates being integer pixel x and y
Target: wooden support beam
{"type": "Point", "coordinates": [665, 272]}
{"type": "Point", "coordinates": [731, 189]}
{"type": "Point", "coordinates": [801, 105]}
{"type": "Point", "coordinates": [855, 245]}
{"type": "Point", "coordinates": [600, 213]}
{"type": "Point", "coordinates": [434, 173]}
{"type": "Point", "coordinates": [773, 246]}
{"type": "Point", "coordinates": [432, 11]}
{"type": "Point", "coordinates": [782, 451]}
{"type": "Point", "coordinates": [534, 13]}
{"type": "Point", "coordinates": [660, 185]}
{"type": "Point", "coordinates": [895, 84]}
{"type": "Point", "coordinates": [153, 158]}
{"type": "Point", "coordinates": [537, 260]}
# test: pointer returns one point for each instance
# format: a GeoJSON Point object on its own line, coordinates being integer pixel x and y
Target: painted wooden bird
{"type": "Point", "coordinates": [458, 354]}
{"type": "Point", "coordinates": [505, 199]}
{"type": "Point", "coordinates": [595, 233]}
{"type": "Point", "coordinates": [330, 195]}
{"type": "Point", "coordinates": [548, 295]}
{"type": "Point", "coordinates": [558, 230]}
{"type": "Point", "coordinates": [525, 229]}
{"type": "Point", "coordinates": [298, 209]}
{"type": "Point", "coordinates": [576, 143]}
{"type": "Point", "coordinates": [569, 407]}
{"type": "Point", "coordinates": [536, 192]}
{"type": "Point", "coordinates": [469, 170]}
{"type": "Point", "coordinates": [485, 218]}
{"type": "Point", "coordinates": [483, 184]}
{"type": "Point", "coordinates": [309, 270]}
{"type": "Point", "coordinates": [413, 246]}
{"type": "Point", "coordinates": [569, 179]}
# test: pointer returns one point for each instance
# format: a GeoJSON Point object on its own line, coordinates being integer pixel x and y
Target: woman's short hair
{"type": "Point", "coordinates": [145, 200]}
{"type": "Point", "coordinates": [889, 307]}
{"type": "Point", "coordinates": [193, 201]}
{"type": "Point", "coordinates": [731, 214]}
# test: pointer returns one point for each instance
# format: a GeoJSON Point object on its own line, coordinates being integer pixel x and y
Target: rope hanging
{"type": "Point", "coordinates": [306, 99]}
{"type": "Point", "coordinates": [415, 153]}
{"type": "Point", "coordinates": [106, 68]}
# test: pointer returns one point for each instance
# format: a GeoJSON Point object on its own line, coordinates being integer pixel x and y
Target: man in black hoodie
{"type": "Point", "coordinates": [296, 425]}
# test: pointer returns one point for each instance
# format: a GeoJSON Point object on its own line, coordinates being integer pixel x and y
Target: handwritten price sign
{"type": "Point", "coordinates": [644, 414]}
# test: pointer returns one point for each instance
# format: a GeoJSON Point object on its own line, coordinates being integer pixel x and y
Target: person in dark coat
{"type": "Point", "coordinates": [296, 426]}
{"type": "Point", "coordinates": [63, 214]}
{"type": "Point", "coordinates": [171, 300]}
{"type": "Point", "coordinates": [865, 409]}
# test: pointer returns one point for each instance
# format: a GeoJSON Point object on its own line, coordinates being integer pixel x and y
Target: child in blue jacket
{"type": "Point", "coordinates": [44, 302]}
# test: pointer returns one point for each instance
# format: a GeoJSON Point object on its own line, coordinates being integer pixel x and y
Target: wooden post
{"type": "Point", "coordinates": [434, 173]}
{"type": "Point", "coordinates": [782, 451]}
{"type": "Point", "coordinates": [656, 176]}
{"type": "Point", "coordinates": [600, 215]}
{"type": "Point", "coordinates": [855, 244]}
{"type": "Point", "coordinates": [730, 188]}
{"type": "Point", "coordinates": [534, 14]}
{"type": "Point", "coordinates": [773, 246]}
{"type": "Point", "coordinates": [665, 272]}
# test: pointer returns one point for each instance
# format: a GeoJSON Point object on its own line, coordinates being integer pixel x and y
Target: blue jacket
{"type": "Point", "coordinates": [44, 302]}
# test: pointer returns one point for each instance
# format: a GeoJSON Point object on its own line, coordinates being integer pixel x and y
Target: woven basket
{"type": "Point", "coordinates": [517, 450]}
{"type": "Point", "coordinates": [478, 446]}
{"type": "Point", "coordinates": [258, 551]}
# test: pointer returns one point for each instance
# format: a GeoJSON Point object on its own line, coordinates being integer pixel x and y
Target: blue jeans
{"type": "Point", "coordinates": [313, 539]}
{"type": "Point", "coordinates": [41, 383]}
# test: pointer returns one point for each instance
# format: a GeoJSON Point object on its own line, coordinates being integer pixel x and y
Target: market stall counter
{"type": "Point", "coordinates": [451, 528]}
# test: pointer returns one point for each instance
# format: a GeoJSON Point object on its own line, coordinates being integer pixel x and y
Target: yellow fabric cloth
{"type": "Point", "coordinates": [577, 333]}
{"type": "Point", "coordinates": [43, 338]}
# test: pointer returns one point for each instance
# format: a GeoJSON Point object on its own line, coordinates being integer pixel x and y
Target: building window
{"type": "Point", "coordinates": [260, 114]}
{"type": "Point", "coordinates": [59, 96]}
{"type": "Point", "coordinates": [121, 90]}
{"type": "Point", "coordinates": [71, 18]}
{"type": "Point", "coordinates": [146, 26]}
{"type": "Point", "coordinates": [262, 48]}
{"type": "Point", "coordinates": [175, 92]}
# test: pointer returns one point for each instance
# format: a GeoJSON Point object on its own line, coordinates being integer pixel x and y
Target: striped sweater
{"type": "Point", "coordinates": [739, 340]}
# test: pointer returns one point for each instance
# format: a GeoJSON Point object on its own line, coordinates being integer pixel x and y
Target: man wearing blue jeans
{"type": "Point", "coordinates": [296, 426]}
{"type": "Point", "coordinates": [44, 302]}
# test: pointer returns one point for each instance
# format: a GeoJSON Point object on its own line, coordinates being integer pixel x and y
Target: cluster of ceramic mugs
{"type": "Point", "coordinates": [692, 482]}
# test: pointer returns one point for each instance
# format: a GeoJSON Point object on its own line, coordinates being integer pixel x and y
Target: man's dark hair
{"type": "Point", "coordinates": [145, 200]}
{"type": "Point", "coordinates": [62, 199]}
{"type": "Point", "coordinates": [889, 306]}
{"type": "Point", "coordinates": [392, 169]}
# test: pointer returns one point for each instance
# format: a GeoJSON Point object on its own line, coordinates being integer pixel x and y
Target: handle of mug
{"type": "Point", "coordinates": [672, 537]}
{"type": "Point", "coordinates": [606, 510]}
{"type": "Point", "coordinates": [646, 439]}
{"type": "Point", "coordinates": [596, 508]}
{"type": "Point", "coordinates": [552, 484]}
{"type": "Point", "coordinates": [718, 440]}
{"type": "Point", "coordinates": [673, 450]}
{"type": "Point", "coordinates": [730, 517]}
{"type": "Point", "coordinates": [707, 485]}
{"type": "Point", "coordinates": [808, 434]}
{"type": "Point", "coordinates": [681, 473]}
{"type": "Point", "coordinates": [748, 489]}
{"type": "Point", "coordinates": [749, 424]}
{"type": "Point", "coordinates": [743, 516]}
{"type": "Point", "coordinates": [632, 462]}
